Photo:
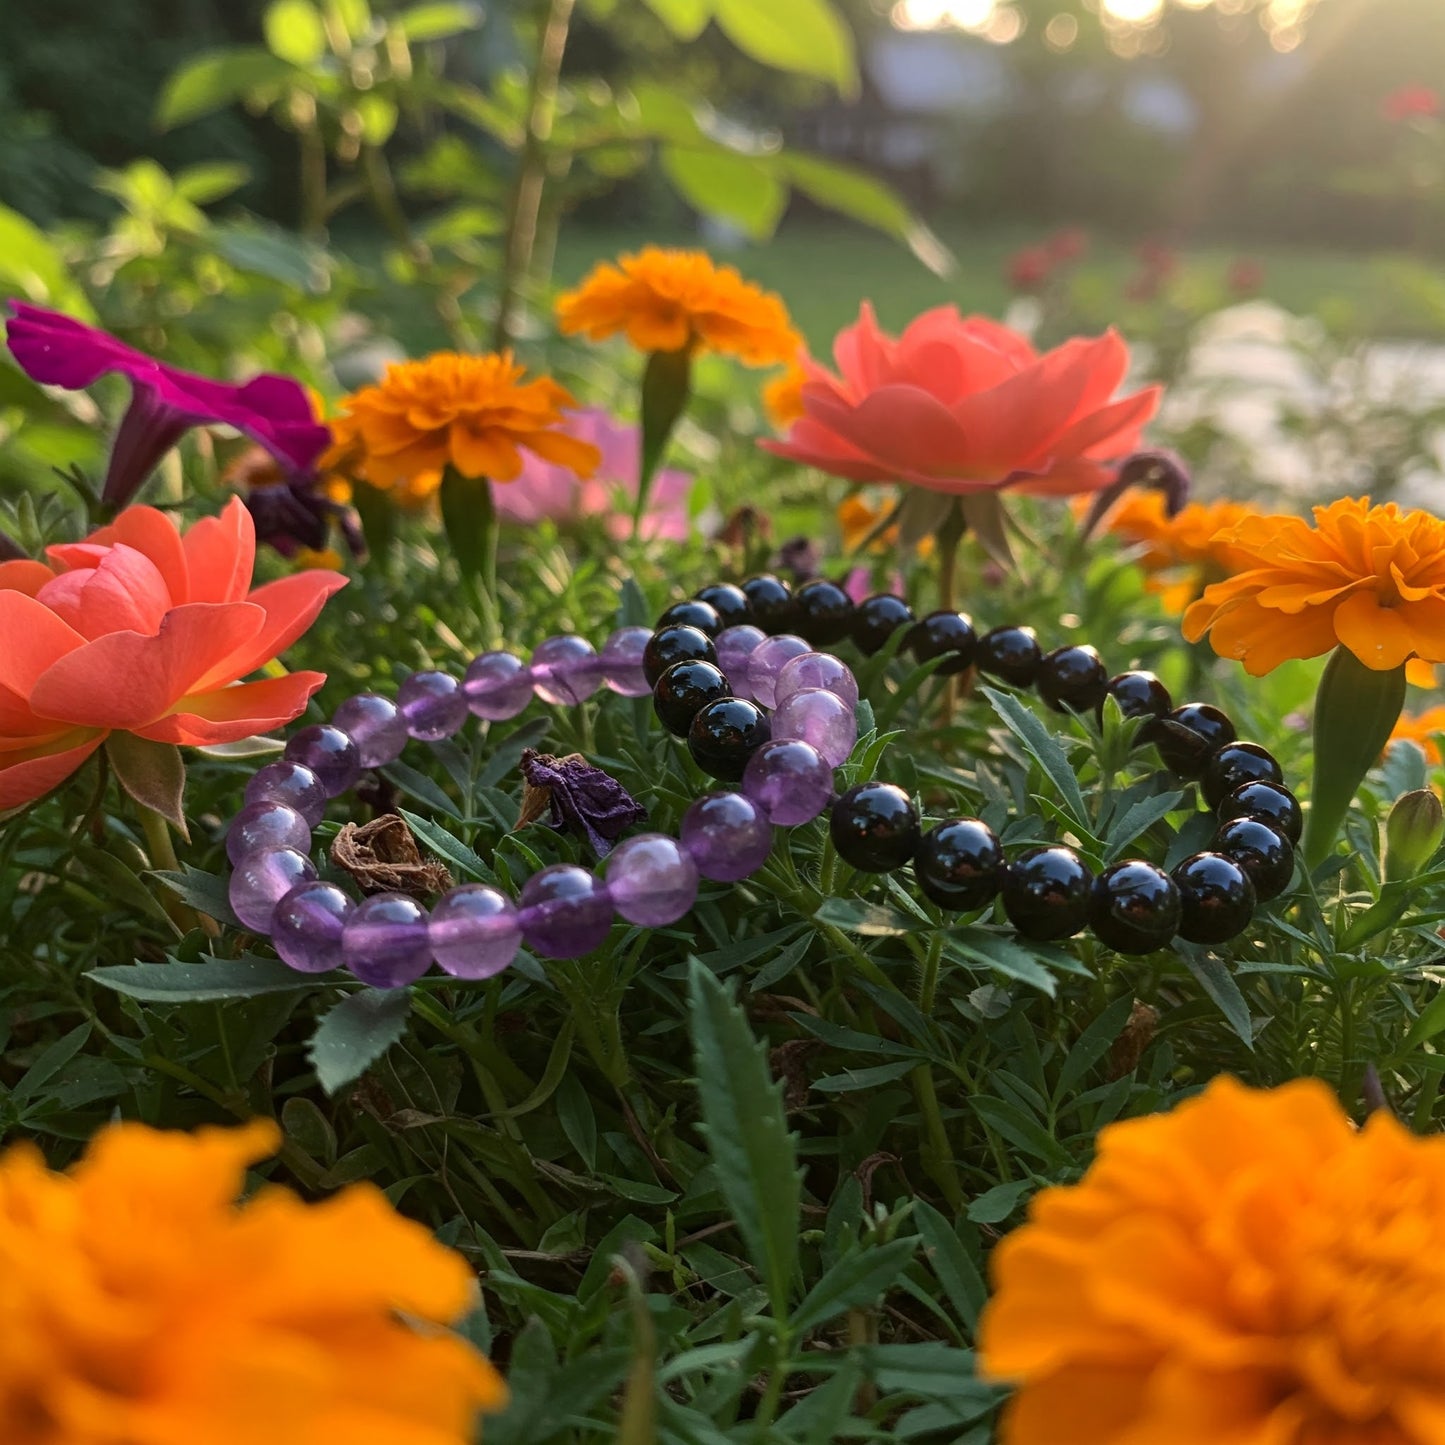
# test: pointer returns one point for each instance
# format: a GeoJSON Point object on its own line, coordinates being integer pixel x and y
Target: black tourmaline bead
{"type": "Point", "coordinates": [874, 827]}
{"type": "Point", "coordinates": [692, 613]}
{"type": "Point", "coordinates": [1139, 694]}
{"type": "Point", "coordinates": [1188, 735]}
{"type": "Point", "coordinates": [729, 602]}
{"type": "Point", "coordinates": [725, 734]}
{"type": "Point", "coordinates": [876, 619]}
{"type": "Point", "coordinates": [771, 601]}
{"type": "Point", "coordinates": [825, 612]}
{"type": "Point", "coordinates": [1261, 850]}
{"type": "Point", "coordinates": [1269, 802]}
{"type": "Point", "coordinates": [1135, 908]}
{"type": "Point", "coordinates": [1235, 764]}
{"type": "Point", "coordinates": [1216, 897]}
{"type": "Point", "coordinates": [1046, 893]}
{"type": "Point", "coordinates": [675, 644]}
{"type": "Point", "coordinates": [944, 634]}
{"type": "Point", "coordinates": [958, 864]}
{"type": "Point", "coordinates": [1072, 678]}
{"type": "Point", "coordinates": [1012, 653]}
{"type": "Point", "coordinates": [684, 690]}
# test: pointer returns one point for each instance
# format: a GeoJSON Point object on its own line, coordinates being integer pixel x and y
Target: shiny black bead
{"type": "Point", "coordinates": [729, 602]}
{"type": "Point", "coordinates": [1188, 735]}
{"type": "Point", "coordinates": [876, 619]}
{"type": "Point", "coordinates": [1269, 802]}
{"type": "Point", "coordinates": [1046, 893]}
{"type": "Point", "coordinates": [1135, 908]}
{"type": "Point", "coordinates": [725, 734]}
{"type": "Point", "coordinates": [692, 613]}
{"type": "Point", "coordinates": [1235, 764]}
{"type": "Point", "coordinates": [1012, 653]}
{"type": "Point", "coordinates": [825, 611]}
{"type": "Point", "coordinates": [943, 634]}
{"type": "Point", "coordinates": [771, 601]}
{"type": "Point", "coordinates": [1139, 694]}
{"type": "Point", "coordinates": [1216, 898]}
{"type": "Point", "coordinates": [874, 827]}
{"type": "Point", "coordinates": [1261, 850]}
{"type": "Point", "coordinates": [1072, 678]}
{"type": "Point", "coordinates": [675, 644]}
{"type": "Point", "coordinates": [958, 864]}
{"type": "Point", "coordinates": [684, 690]}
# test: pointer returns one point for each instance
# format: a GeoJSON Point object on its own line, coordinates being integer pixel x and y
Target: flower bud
{"type": "Point", "coordinates": [1413, 832]}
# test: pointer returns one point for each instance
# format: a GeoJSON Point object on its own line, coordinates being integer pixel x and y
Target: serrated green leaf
{"type": "Point", "coordinates": [357, 1032]}
{"type": "Point", "coordinates": [857, 1279]}
{"type": "Point", "coordinates": [213, 981]}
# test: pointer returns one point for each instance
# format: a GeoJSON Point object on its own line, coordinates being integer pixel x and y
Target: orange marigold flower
{"type": "Point", "coordinates": [1425, 728]}
{"type": "Point", "coordinates": [680, 300]}
{"type": "Point", "coordinates": [1371, 579]}
{"type": "Point", "coordinates": [140, 1306]}
{"type": "Point", "coordinates": [783, 395]}
{"type": "Point", "coordinates": [1249, 1269]}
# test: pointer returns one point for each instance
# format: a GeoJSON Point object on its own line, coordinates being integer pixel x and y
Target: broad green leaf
{"type": "Point", "coordinates": [806, 37]}
{"type": "Point", "coordinates": [201, 185]}
{"type": "Point", "coordinates": [354, 17]}
{"type": "Point", "coordinates": [857, 1279]}
{"type": "Point", "coordinates": [271, 252]}
{"type": "Point", "coordinates": [207, 982]}
{"type": "Point", "coordinates": [438, 21]}
{"type": "Point", "coordinates": [294, 31]}
{"type": "Point", "coordinates": [217, 78]}
{"type": "Point", "coordinates": [722, 183]}
{"type": "Point", "coordinates": [687, 19]}
{"type": "Point", "coordinates": [357, 1032]}
{"type": "Point", "coordinates": [31, 265]}
{"type": "Point", "coordinates": [378, 116]}
{"type": "Point", "coordinates": [995, 1205]}
{"type": "Point", "coordinates": [664, 115]}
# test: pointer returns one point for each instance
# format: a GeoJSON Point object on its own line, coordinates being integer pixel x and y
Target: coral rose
{"type": "Point", "coordinates": [138, 629]}
{"type": "Point", "coordinates": [962, 404]}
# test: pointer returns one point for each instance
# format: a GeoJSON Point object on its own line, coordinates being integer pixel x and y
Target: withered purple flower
{"type": "Point", "coordinates": [1157, 470]}
{"type": "Point", "coordinates": [581, 796]}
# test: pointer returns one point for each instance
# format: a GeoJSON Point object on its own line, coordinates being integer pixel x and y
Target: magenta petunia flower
{"type": "Point", "coordinates": [166, 402]}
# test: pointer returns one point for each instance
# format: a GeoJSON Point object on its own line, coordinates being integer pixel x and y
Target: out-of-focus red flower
{"type": "Point", "coordinates": [1412, 102]}
{"type": "Point", "coordinates": [1067, 246]}
{"type": "Point", "coordinates": [1245, 277]}
{"type": "Point", "coordinates": [1029, 269]}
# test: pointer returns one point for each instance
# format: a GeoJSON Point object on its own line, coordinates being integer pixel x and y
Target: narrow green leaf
{"type": "Point", "coordinates": [51, 1060]}
{"type": "Point", "coordinates": [1093, 1044]}
{"type": "Point", "coordinates": [1043, 747]}
{"type": "Point", "coordinates": [871, 920]}
{"type": "Point", "coordinates": [857, 1279]}
{"type": "Point", "coordinates": [950, 1262]}
{"type": "Point", "coordinates": [1139, 818]}
{"type": "Point", "coordinates": [1217, 981]}
{"type": "Point", "coordinates": [357, 1032]}
{"type": "Point", "coordinates": [1019, 1129]}
{"type": "Point", "coordinates": [851, 1081]}
{"type": "Point", "coordinates": [450, 850]}
{"type": "Point", "coordinates": [201, 185]}
{"type": "Point", "coordinates": [995, 1205]}
{"type": "Point", "coordinates": [213, 981]}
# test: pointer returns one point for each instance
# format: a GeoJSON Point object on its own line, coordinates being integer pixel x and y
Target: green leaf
{"type": "Point", "coordinates": [51, 1060]}
{"type": "Point", "coordinates": [378, 117]}
{"type": "Point", "coordinates": [950, 1262]}
{"type": "Point", "coordinates": [687, 19]}
{"type": "Point", "coordinates": [1019, 1128]}
{"type": "Point", "coordinates": [747, 1133]}
{"type": "Point", "coordinates": [666, 385]}
{"type": "Point", "coordinates": [857, 1279]}
{"type": "Point", "coordinates": [871, 920]}
{"type": "Point", "coordinates": [201, 185]}
{"type": "Point", "coordinates": [975, 946]}
{"type": "Point", "coordinates": [154, 774]}
{"type": "Point", "coordinates": [450, 850]}
{"type": "Point", "coordinates": [211, 981]}
{"type": "Point", "coordinates": [438, 21]}
{"type": "Point", "coordinates": [995, 1205]}
{"type": "Point", "coordinates": [852, 1080]}
{"type": "Point", "coordinates": [930, 1368]}
{"type": "Point", "coordinates": [294, 31]}
{"type": "Point", "coordinates": [1217, 981]}
{"type": "Point", "coordinates": [1138, 818]}
{"type": "Point", "coordinates": [733, 187]}
{"type": "Point", "coordinates": [216, 78]}
{"type": "Point", "coordinates": [357, 1032]}
{"type": "Point", "coordinates": [805, 37]}
{"type": "Point", "coordinates": [1093, 1044]}
{"type": "Point", "coordinates": [30, 264]}
{"type": "Point", "coordinates": [207, 893]}
{"type": "Point", "coordinates": [1430, 1022]}
{"type": "Point", "coordinates": [1044, 748]}
{"type": "Point", "coordinates": [273, 253]}
{"type": "Point", "coordinates": [470, 518]}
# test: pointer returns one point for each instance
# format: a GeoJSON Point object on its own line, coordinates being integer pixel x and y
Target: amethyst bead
{"type": "Point", "coordinates": [565, 670]}
{"type": "Point", "coordinates": [266, 825]}
{"type": "Point", "coordinates": [474, 931]}
{"type": "Point", "coordinates": [262, 880]}
{"type": "Point", "coordinates": [306, 926]}
{"type": "Point", "coordinates": [329, 753]}
{"type": "Point", "coordinates": [497, 686]}
{"type": "Point", "coordinates": [770, 658]}
{"type": "Point", "coordinates": [386, 942]}
{"type": "Point", "coordinates": [817, 669]}
{"type": "Point", "coordinates": [621, 659]}
{"type": "Point", "coordinates": [735, 646]}
{"type": "Point", "coordinates": [565, 911]}
{"type": "Point", "coordinates": [821, 718]}
{"type": "Point", "coordinates": [375, 726]}
{"type": "Point", "coordinates": [432, 704]}
{"type": "Point", "coordinates": [652, 880]}
{"type": "Point", "coordinates": [727, 835]}
{"type": "Point", "coordinates": [290, 783]}
{"type": "Point", "coordinates": [789, 780]}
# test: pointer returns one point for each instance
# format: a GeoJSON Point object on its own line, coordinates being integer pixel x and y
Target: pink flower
{"type": "Point", "coordinates": [1068, 245]}
{"type": "Point", "coordinates": [1411, 102]}
{"type": "Point", "coordinates": [1029, 269]}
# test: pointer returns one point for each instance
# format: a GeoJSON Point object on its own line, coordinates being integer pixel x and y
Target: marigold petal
{"type": "Point", "coordinates": [1379, 636]}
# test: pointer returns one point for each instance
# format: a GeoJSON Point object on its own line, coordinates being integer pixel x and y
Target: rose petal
{"type": "Point", "coordinates": [24, 576]}
{"type": "Point", "coordinates": [221, 555]}
{"type": "Point", "coordinates": [231, 713]}
{"type": "Point", "coordinates": [34, 638]}
{"type": "Point", "coordinates": [124, 593]}
{"type": "Point", "coordinates": [25, 781]}
{"type": "Point", "coordinates": [148, 530]}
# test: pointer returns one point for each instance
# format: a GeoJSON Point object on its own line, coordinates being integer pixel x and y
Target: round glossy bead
{"type": "Point", "coordinates": [375, 726]}
{"type": "Point", "coordinates": [876, 619]}
{"type": "Point", "coordinates": [825, 611]}
{"type": "Point", "coordinates": [497, 686]}
{"type": "Point", "coordinates": [306, 926]}
{"type": "Point", "coordinates": [262, 880]}
{"type": "Point", "coordinates": [266, 825]}
{"type": "Point", "coordinates": [771, 603]}
{"type": "Point", "coordinates": [1235, 764]}
{"type": "Point", "coordinates": [766, 665]}
{"type": "Point", "coordinates": [959, 864]}
{"type": "Point", "coordinates": [290, 783]}
{"type": "Point", "coordinates": [729, 602]}
{"type": "Point", "coordinates": [693, 612]}
{"type": "Point", "coordinates": [1269, 802]}
{"type": "Point", "coordinates": [433, 705]}
{"type": "Point", "coordinates": [727, 835]}
{"type": "Point", "coordinates": [725, 734]}
{"type": "Point", "coordinates": [385, 938]}
{"type": "Point", "coordinates": [1187, 736]}
{"type": "Point", "coordinates": [474, 931]}
{"type": "Point", "coordinates": [565, 670]}
{"type": "Point", "coordinates": [821, 718]}
{"type": "Point", "coordinates": [1012, 653]}
{"type": "Point", "coordinates": [621, 661]}
{"type": "Point", "coordinates": [1072, 678]}
{"type": "Point", "coordinates": [1139, 694]}
{"type": "Point", "coordinates": [565, 911]}
{"type": "Point", "coordinates": [789, 780]}
{"type": "Point", "coordinates": [816, 669]}
{"type": "Point", "coordinates": [874, 827]}
{"type": "Point", "coordinates": [329, 753]}
{"type": "Point", "coordinates": [652, 880]}
{"type": "Point", "coordinates": [1216, 898]}
{"type": "Point", "coordinates": [735, 648]}
{"type": "Point", "coordinates": [1135, 908]}
{"type": "Point", "coordinates": [684, 690]}
{"type": "Point", "coordinates": [675, 644]}
{"type": "Point", "coordinates": [1261, 850]}
{"type": "Point", "coordinates": [944, 634]}
{"type": "Point", "coordinates": [1046, 892]}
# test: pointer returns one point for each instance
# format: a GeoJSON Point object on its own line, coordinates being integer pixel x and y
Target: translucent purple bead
{"type": "Point", "coordinates": [266, 825]}
{"type": "Point", "coordinates": [735, 646]}
{"type": "Point", "coordinates": [768, 660]}
{"type": "Point", "coordinates": [329, 753]}
{"type": "Point", "coordinates": [432, 705]}
{"type": "Point", "coordinates": [375, 726]}
{"type": "Point", "coordinates": [621, 659]}
{"type": "Point", "coordinates": [386, 942]}
{"type": "Point", "coordinates": [565, 911]}
{"type": "Point", "coordinates": [290, 783]}
{"type": "Point", "coordinates": [652, 880]}
{"type": "Point", "coordinates": [262, 880]}
{"type": "Point", "coordinates": [821, 718]}
{"type": "Point", "coordinates": [565, 670]}
{"type": "Point", "coordinates": [306, 926]}
{"type": "Point", "coordinates": [727, 835]}
{"type": "Point", "coordinates": [817, 669]}
{"type": "Point", "coordinates": [474, 931]}
{"type": "Point", "coordinates": [790, 780]}
{"type": "Point", "coordinates": [498, 686]}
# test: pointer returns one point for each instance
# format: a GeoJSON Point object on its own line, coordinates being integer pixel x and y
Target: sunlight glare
{"type": "Point", "coordinates": [1134, 12]}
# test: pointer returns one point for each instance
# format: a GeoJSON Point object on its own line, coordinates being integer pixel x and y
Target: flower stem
{"type": "Point", "coordinates": [937, 1156]}
{"type": "Point", "coordinates": [950, 534]}
{"type": "Point", "coordinates": [162, 854]}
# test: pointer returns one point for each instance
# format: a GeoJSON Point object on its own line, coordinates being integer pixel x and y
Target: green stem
{"type": "Point", "coordinates": [162, 854]}
{"type": "Point", "coordinates": [937, 1154]}
{"type": "Point", "coordinates": [950, 534]}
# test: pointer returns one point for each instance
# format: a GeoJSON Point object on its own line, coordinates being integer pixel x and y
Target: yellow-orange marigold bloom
{"type": "Point", "coordinates": [674, 300]}
{"type": "Point", "coordinates": [1249, 1269]}
{"type": "Point", "coordinates": [783, 395]}
{"type": "Point", "coordinates": [140, 1306]}
{"type": "Point", "coordinates": [1424, 728]}
{"type": "Point", "coordinates": [1371, 579]}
